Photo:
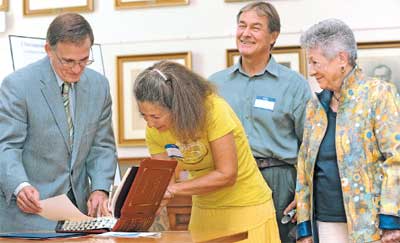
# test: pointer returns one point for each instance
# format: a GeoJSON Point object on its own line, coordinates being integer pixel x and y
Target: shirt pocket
{"type": "Point", "coordinates": [282, 120]}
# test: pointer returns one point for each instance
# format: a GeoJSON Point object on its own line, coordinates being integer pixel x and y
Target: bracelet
{"type": "Point", "coordinates": [172, 194]}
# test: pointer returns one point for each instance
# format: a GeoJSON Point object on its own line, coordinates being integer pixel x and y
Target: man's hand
{"type": "Point", "coordinates": [291, 206]}
{"type": "Point", "coordinates": [98, 204]}
{"type": "Point", "coordinates": [307, 239]}
{"type": "Point", "coordinates": [390, 236]}
{"type": "Point", "coordinates": [28, 200]}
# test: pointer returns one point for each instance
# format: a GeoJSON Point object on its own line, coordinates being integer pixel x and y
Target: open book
{"type": "Point", "coordinates": [134, 203]}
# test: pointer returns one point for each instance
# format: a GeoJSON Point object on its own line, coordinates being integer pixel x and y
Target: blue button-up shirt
{"type": "Point", "coordinates": [271, 106]}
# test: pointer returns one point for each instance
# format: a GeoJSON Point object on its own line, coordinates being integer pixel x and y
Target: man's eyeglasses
{"type": "Point", "coordinates": [72, 63]}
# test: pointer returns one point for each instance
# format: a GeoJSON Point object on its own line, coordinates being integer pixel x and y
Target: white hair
{"type": "Point", "coordinates": [331, 36]}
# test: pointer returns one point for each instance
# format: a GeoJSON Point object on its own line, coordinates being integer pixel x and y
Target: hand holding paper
{"type": "Point", "coordinates": [61, 208]}
{"type": "Point", "coordinates": [28, 200]}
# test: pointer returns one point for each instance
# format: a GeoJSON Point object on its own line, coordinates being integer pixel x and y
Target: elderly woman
{"type": "Point", "coordinates": [188, 121]}
{"type": "Point", "coordinates": [348, 178]}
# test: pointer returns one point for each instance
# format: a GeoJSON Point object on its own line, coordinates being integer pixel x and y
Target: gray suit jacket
{"type": "Point", "coordinates": [34, 141]}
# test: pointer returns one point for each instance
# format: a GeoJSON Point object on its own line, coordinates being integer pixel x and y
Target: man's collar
{"type": "Point", "coordinates": [272, 67]}
{"type": "Point", "coordinates": [235, 67]}
{"type": "Point", "coordinates": [59, 80]}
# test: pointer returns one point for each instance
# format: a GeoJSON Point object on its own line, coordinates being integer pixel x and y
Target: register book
{"type": "Point", "coordinates": [134, 203]}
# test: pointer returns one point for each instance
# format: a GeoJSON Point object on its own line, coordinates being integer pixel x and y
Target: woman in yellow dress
{"type": "Point", "coordinates": [188, 121]}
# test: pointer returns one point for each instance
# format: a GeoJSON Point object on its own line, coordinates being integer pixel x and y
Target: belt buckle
{"type": "Point", "coordinates": [263, 163]}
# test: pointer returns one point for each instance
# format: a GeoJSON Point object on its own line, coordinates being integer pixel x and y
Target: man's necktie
{"type": "Point", "coordinates": [65, 94]}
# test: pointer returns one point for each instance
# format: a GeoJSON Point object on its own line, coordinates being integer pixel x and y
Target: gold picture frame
{"type": "Point", "coordinates": [131, 126]}
{"type": "Point", "coordinates": [380, 60]}
{"type": "Point", "coordinates": [4, 5]}
{"type": "Point", "coordinates": [121, 4]}
{"type": "Point", "coordinates": [40, 7]}
{"type": "Point", "coordinates": [291, 56]}
{"type": "Point", "coordinates": [125, 163]}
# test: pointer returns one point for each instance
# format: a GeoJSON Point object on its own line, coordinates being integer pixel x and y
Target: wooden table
{"type": "Point", "coordinates": [166, 237]}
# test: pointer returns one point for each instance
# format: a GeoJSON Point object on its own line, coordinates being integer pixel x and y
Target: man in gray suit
{"type": "Point", "coordinates": [56, 131]}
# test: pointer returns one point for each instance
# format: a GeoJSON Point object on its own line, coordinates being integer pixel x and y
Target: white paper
{"type": "Point", "coordinates": [131, 234]}
{"type": "Point", "coordinates": [115, 194]}
{"type": "Point", "coordinates": [61, 208]}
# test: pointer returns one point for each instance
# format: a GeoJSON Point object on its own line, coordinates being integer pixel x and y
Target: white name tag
{"type": "Point", "coordinates": [264, 102]}
{"type": "Point", "coordinates": [173, 151]}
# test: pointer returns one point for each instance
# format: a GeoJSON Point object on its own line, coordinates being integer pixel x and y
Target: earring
{"type": "Point", "coordinates": [342, 69]}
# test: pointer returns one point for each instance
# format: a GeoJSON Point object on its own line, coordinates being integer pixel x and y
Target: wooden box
{"type": "Point", "coordinates": [179, 209]}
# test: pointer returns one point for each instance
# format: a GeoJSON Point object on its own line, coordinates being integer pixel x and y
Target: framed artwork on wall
{"type": "Point", "coordinates": [380, 60]}
{"type": "Point", "coordinates": [131, 125]}
{"type": "Point", "coordinates": [3, 5]}
{"type": "Point", "coordinates": [292, 57]}
{"type": "Point", "coordinates": [119, 4]}
{"type": "Point", "coordinates": [232, 57]}
{"type": "Point", "coordinates": [40, 7]}
{"type": "Point", "coordinates": [125, 163]}
{"type": "Point", "coordinates": [26, 50]}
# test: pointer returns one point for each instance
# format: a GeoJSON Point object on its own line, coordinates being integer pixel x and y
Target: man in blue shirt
{"type": "Point", "coordinates": [270, 101]}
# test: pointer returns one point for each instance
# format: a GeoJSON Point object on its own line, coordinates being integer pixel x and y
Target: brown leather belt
{"type": "Point", "coordinates": [269, 162]}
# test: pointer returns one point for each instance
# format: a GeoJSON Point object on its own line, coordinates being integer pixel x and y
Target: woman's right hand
{"type": "Point", "coordinates": [307, 239]}
{"type": "Point", "coordinates": [168, 195]}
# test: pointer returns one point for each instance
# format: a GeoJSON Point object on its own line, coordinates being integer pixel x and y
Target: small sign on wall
{"type": "Point", "coordinates": [25, 50]}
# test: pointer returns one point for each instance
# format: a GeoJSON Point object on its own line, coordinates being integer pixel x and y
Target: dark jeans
{"type": "Point", "coordinates": [282, 181]}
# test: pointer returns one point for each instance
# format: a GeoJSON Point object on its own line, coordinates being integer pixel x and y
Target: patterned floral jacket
{"type": "Point", "coordinates": [368, 153]}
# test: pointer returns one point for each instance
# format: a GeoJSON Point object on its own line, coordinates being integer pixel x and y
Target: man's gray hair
{"type": "Point", "coordinates": [263, 8]}
{"type": "Point", "coordinates": [69, 27]}
{"type": "Point", "coordinates": [331, 36]}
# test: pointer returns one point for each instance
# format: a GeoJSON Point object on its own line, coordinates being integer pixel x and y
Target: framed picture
{"type": "Point", "coordinates": [125, 163]}
{"type": "Point", "coordinates": [3, 5]}
{"type": "Point", "coordinates": [131, 126]}
{"type": "Point", "coordinates": [380, 60]}
{"type": "Point", "coordinates": [40, 7]}
{"type": "Point", "coordinates": [292, 57]}
{"type": "Point", "coordinates": [26, 50]}
{"type": "Point", "coordinates": [148, 3]}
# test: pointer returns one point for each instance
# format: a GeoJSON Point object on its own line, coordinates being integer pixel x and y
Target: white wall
{"type": "Point", "coordinates": [205, 27]}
